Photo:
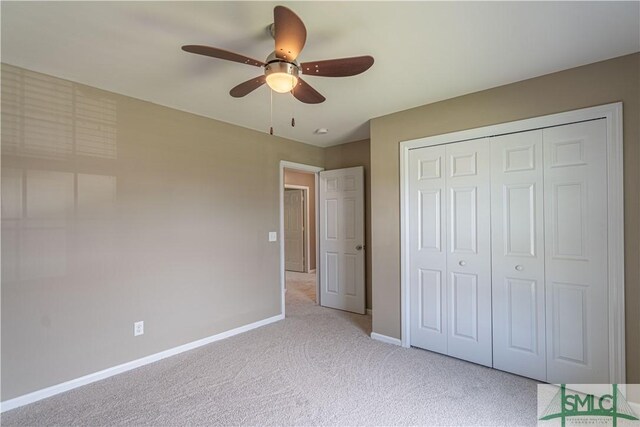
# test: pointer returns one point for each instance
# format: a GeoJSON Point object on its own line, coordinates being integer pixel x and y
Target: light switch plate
{"type": "Point", "coordinates": [273, 236]}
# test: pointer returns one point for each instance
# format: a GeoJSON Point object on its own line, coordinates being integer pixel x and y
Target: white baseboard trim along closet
{"type": "Point", "coordinates": [385, 339]}
{"type": "Point", "coordinates": [115, 370]}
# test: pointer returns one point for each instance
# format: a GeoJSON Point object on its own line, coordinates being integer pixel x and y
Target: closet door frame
{"type": "Point", "coordinates": [612, 113]}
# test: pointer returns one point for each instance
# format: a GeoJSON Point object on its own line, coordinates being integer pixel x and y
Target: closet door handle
{"type": "Point", "coordinates": [462, 263]}
{"type": "Point", "coordinates": [519, 268]}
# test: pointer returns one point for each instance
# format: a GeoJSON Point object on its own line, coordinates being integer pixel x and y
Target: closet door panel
{"type": "Point", "coordinates": [518, 289]}
{"type": "Point", "coordinates": [468, 247]}
{"type": "Point", "coordinates": [427, 255]}
{"type": "Point", "coordinates": [575, 175]}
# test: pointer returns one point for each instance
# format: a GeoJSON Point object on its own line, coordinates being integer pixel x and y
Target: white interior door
{"type": "Point", "coordinates": [342, 239]}
{"type": "Point", "coordinates": [517, 230]}
{"type": "Point", "coordinates": [468, 174]}
{"type": "Point", "coordinates": [575, 216]}
{"type": "Point", "coordinates": [294, 243]}
{"type": "Point", "coordinates": [428, 257]}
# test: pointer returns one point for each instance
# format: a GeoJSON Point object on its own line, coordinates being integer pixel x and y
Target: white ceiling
{"type": "Point", "coordinates": [424, 52]}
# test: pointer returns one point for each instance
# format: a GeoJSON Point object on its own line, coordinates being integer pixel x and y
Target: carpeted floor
{"type": "Point", "coordinates": [316, 367]}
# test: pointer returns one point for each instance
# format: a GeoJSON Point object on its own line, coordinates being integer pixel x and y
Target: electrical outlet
{"type": "Point", "coordinates": [138, 328]}
{"type": "Point", "coordinates": [273, 236]}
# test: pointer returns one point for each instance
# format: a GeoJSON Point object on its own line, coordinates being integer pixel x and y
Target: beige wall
{"type": "Point", "coordinates": [346, 156]}
{"type": "Point", "coordinates": [115, 210]}
{"type": "Point", "coordinates": [307, 180]}
{"type": "Point", "coordinates": [600, 83]}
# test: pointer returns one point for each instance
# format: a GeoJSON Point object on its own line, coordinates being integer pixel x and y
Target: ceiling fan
{"type": "Point", "coordinates": [281, 70]}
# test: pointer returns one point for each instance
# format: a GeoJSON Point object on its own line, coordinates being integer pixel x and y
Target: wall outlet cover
{"type": "Point", "coordinates": [273, 236]}
{"type": "Point", "coordinates": [138, 328]}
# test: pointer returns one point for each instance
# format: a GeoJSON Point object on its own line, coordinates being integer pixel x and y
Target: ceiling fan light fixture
{"type": "Point", "coordinates": [282, 82]}
{"type": "Point", "coordinates": [282, 77]}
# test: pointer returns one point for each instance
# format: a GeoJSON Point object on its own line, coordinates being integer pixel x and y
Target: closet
{"type": "Point", "coordinates": [507, 260]}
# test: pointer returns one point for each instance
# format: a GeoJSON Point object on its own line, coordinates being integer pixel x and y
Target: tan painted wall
{"type": "Point", "coordinates": [116, 210]}
{"type": "Point", "coordinates": [307, 180]}
{"type": "Point", "coordinates": [600, 83]}
{"type": "Point", "coordinates": [346, 156]}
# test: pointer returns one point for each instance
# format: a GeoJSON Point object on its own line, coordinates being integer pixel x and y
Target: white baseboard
{"type": "Point", "coordinates": [109, 372]}
{"type": "Point", "coordinates": [369, 311]}
{"type": "Point", "coordinates": [385, 339]}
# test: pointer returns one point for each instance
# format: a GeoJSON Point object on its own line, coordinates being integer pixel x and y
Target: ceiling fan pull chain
{"type": "Point", "coordinates": [271, 108]}
{"type": "Point", "coordinates": [293, 109]}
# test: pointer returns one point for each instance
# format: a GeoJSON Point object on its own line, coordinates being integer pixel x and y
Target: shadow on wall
{"type": "Point", "coordinates": [47, 125]}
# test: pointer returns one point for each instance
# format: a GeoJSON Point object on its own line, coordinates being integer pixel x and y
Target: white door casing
{"type": "Point", "coordinates": [294, 244]}
{"type": "Point", "coordinates": [575, 215]}
{"type": "Point", "coordinates": [341, 195]}
{"type": "Point", "coordinates": [468, 173]}
{"type": "Point", "coordinates": [518, 287]}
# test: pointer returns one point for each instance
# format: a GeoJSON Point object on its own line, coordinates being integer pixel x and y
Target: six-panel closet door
{"type": "Point", "coordinates": [517, 230]}
{"type": "Point", "coordinates": [576, 267]}
{"type": "Point", "coordinates": [469, 251]}
{"type": "Point", "coordinates": [450, 259]}
{"type": "Point", "coordinates": [428, 256]}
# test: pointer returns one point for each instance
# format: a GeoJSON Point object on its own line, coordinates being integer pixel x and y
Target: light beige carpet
{"type": "Point", "coordinates": [316, 367]}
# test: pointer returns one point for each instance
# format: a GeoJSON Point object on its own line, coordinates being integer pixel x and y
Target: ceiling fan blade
{"type": "Point", "coordinates": [221, 54]}
{"type": "Point", "coordinates": [290, 33]}
{"type": "Point", "coordinates": [337, 67]}
{"type": "Point", "coordinates": [305, 93]}
{"type": "Point", "coordinates": [247, 87]}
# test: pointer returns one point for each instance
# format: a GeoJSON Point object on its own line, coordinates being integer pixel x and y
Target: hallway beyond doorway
{"type": "Point", "coordinates": [304, 283]}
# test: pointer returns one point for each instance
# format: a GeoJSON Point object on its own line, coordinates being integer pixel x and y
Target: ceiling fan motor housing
{"type": "Point", "coordinates": [281, 67]}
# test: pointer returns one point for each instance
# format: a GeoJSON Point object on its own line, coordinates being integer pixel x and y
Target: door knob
{"type": "Point", "coordinates": [359, 247]}
{"type": "Point", "coordinates": [462, 263]}
{"type": "Point", "coordinates": [519, 268]}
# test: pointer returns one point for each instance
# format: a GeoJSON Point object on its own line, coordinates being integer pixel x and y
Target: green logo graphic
{"type": "Point", "coordinates": [565, 404]}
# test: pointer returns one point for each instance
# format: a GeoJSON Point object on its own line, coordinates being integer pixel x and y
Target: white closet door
{"type": "Point", "coordinates": [575, 215]}
{"type": "Point", "coordinates": [468, 247]}
{"type": "Point", "coordinates": [518, 254]}
{"type": "Point", "coordinates": [428, 261]}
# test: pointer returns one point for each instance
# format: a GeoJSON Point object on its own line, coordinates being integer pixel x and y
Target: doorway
{"type": "Point", "coordinates": [299, 229]}
{"type": "Point", "coordinates": [336, 236]}
{"type": "Point", "coordinates": [297, 241]}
